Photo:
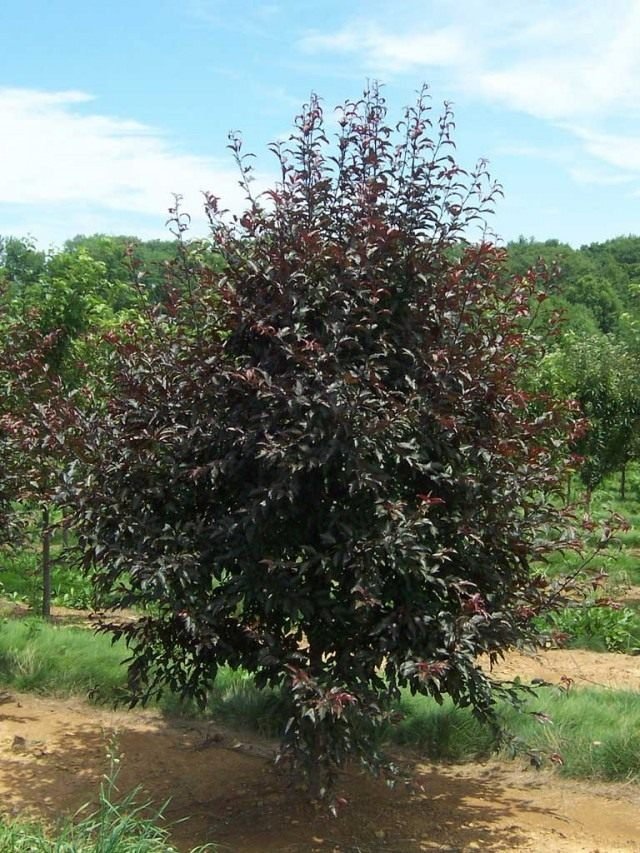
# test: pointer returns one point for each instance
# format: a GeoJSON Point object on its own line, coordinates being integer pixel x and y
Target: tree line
{"type": "Point", "coordinates": [98, 281]}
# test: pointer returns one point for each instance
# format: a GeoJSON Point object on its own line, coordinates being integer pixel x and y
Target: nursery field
{"type": "Point", "coordinates": [222, 786]}
{"type": "Point", "coordinates": [216, 778]}
{"type": "Point", "coordinates": [567, 781]}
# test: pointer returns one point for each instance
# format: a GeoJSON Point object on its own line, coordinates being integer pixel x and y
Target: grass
{"type": "Point", "coordinates": [35, 655]}
{"type": "Point", "coordinates": [441, 732]}
{"type": "Point", "coordinates": [70, 661]}
{"type": "Point", "coordinates": [119, 825]}
{"type": "Point", "coordinates": [588, 624]}
{"type": "Point", "coordinates": [596, 732]}
{"type": "Point", "coordinates": [235, 701]}
{"type": "Point", "coordinates": [590, 733]}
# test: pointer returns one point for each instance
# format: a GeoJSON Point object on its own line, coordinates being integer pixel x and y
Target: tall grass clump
{"type": "Point", "coordinates": [118, 825]}
{"type": "Point", "coordinates": [235, 700]}
{"type": "Point", "coordinates": [441, 732]}
{"type": "Point", "coordinates": [595, 732]}
{"type": "Point", "coordinates": [591, 734]}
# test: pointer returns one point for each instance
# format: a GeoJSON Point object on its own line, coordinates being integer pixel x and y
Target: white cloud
{"type": "Point", "coordinates": [389, 52]}
{"type": "Point", "coordinates": [551, 60]}
{"type": "Point", "coordinates": [574, 65]}
{"type": "Point", "coordinates": [584, 174]}
{"type": "Point", "coordinates": [57, 152]}
{"type": "Point", "coordinates": [619, 150]}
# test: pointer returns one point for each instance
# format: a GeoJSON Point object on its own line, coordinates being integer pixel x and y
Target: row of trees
{"type": "Point", "coordinates": [313, 447]}
{"type": "Point", "coordinates": [59, 312]}
{"type": "Point", "coordinates": [594, 358]}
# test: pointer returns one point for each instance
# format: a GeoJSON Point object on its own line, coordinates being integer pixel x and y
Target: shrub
{"type": "Point", "coordinates": [319, 464]}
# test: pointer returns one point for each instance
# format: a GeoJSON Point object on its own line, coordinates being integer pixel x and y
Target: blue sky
{"type": "Point", "coordinates": [108, 108]}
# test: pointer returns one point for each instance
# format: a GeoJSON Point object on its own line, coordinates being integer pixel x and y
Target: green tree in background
{"type": "Point", "coordinates": [52, 329]}
{"type": "Point", "coordinates": [602, 375]}
{"type": "Point", "coordinates": [21, 264]}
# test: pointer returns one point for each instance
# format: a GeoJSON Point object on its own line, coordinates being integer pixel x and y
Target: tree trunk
{"type": "Point", "coordinates": [65, 531]}
{"type": "Point", "coordinates": [46, 564]}
{"type": "Point", "coordinates": [623, 481]}
{"type": "Point", "coordinates": [315, 778]}
{"type": "Point", "coordinates": [316, 775]}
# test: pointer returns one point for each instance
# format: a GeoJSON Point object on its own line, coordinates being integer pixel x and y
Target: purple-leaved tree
{"type": "Point", "coordinates": [319, 463]}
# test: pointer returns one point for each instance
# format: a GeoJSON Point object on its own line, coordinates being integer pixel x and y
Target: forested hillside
{"type": "Point", "coordinates": [96, 282]}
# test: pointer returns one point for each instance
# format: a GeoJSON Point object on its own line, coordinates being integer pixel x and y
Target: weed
{"type": "Point", "coordinates": [119, 825]}
{"type": "Point", "coordinates": [597, 627]}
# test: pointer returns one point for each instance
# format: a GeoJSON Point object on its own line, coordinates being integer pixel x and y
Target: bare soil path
{"type": "Point", "coordinates": [53, 755]}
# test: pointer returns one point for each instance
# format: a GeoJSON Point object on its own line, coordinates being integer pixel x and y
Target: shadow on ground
{"type": "Point", "coordinates": [53, 754]}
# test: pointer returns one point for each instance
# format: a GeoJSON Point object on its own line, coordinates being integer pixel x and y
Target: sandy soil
{"type": "Point", "coordinates": [53, 754]}
{"type": "Point", "coordinates": [574, 668]}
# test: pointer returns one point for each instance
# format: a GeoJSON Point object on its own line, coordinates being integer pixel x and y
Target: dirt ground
{"type": "Point", "coordinates": [53, 753]}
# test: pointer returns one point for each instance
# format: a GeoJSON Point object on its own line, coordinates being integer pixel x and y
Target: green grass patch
{"type": "Point", "coordinates": [35, 655]}
{"type": "Point", "coordinates": [63, 661]}
{"type": "Point", "coordinates": [596, 732]}
{"type": "Point", "coordinates": [441, 732]}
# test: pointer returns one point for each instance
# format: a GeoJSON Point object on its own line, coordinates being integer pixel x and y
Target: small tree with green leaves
{"type": "Point", "coordinates": [601, 374]}
{"type": "Point", "coordinates": [49, 328]}
{"type": "Point", "coordinates": [320, 465]}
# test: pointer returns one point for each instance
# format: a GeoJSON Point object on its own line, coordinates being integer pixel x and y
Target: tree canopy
{"type": "Point", "coordinates": [318, 462]}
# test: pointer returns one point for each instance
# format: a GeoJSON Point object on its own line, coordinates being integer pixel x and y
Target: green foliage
{"type": "Point", "coordinates": [317, 462]}
{"type": "Point", "coordinates": [598, 296]}
{"type": "Point", "coordinates": [598, 626]}
{"type": "Point", "coordinates": [595, 357]}
{"type": "Point", "coordinates": [21, 576]}
{"type": "Point", "coordinates": [21, 264]}
{"type": "Point", "coordinates": [147, 268]}
{"type": "Point", "coordinates": [601, 374]}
